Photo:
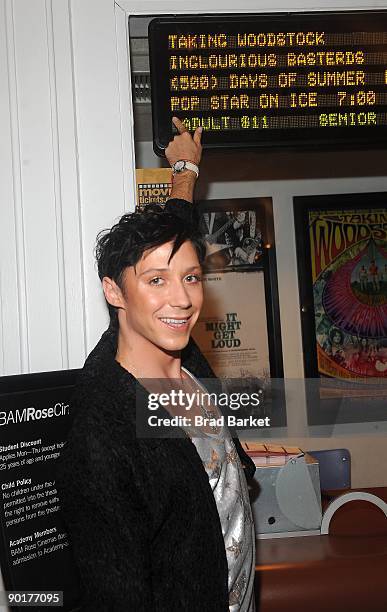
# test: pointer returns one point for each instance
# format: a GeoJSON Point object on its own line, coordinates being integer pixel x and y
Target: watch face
{"type": "Point", "coordinates": [179, 166]}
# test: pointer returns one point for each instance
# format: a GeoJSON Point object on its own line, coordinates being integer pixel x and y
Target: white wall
{"type": "Point", "coordinates": [62, 177]}
{"type": "Point", "coordinates": [42, 306]}
{"type": "Point", "coordinates": [66, 163]}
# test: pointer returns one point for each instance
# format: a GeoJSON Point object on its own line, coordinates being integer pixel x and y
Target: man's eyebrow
{"type": "Point", "coordinates": [153, 270]}
{"type": "Point", "coordinates": [195, 267]}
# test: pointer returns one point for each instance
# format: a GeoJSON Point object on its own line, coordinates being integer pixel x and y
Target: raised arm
{"type": "Point", "coordinates": [184, 147]}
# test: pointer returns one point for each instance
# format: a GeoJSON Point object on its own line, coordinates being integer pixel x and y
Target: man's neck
{"type": "Point", "coordinates": [145, 360]}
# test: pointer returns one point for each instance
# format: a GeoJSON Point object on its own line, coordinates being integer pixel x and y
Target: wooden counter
{"type": "Point", "coordinates": [333, 573]}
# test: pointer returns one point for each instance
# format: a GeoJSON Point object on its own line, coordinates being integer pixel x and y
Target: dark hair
{"type": "Point", "coordinates": [125, 243]}
{"type": "Point", "coordinates": [333, 331]}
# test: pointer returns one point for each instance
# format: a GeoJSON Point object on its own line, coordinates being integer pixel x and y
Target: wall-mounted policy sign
{"type": "Point", "coordinates": [35, 417]}
{"type": "Point", "coordinates": [271, 80]}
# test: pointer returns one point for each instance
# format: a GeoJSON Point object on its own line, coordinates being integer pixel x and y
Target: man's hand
{"type": "Point", "coordinates": [184, 146]}
{"type": "Point", "coordinates": [188, 148]}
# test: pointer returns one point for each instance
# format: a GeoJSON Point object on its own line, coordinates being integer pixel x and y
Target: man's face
{"type": "Point", "coordinates": [161, 300]}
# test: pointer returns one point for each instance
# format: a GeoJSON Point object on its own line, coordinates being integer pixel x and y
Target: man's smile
{"type": "Point", "coordinates": [175, 322]}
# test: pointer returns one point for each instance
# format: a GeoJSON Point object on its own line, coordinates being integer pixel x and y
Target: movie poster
{"type": "Point", "coordinates": [234, 239]}
{"type": "Point", "coordinates": [153, 185]}
{"type": "Point", "coordinates": [232, 327]}
{"type": "Point", "coordinates": [349, 271]}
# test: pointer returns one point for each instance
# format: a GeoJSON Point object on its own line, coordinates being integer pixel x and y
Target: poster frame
{"type": "Point", "coordinates": [346, 407]}
{"type": "Point", "coordinates": [267, 264]}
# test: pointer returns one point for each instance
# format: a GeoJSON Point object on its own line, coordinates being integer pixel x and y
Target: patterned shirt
{"type": "Point", "coordinates": [228, 483]}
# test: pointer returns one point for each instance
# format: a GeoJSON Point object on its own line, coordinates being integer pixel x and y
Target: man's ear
{"type": "Point", "coordinates": [113, 293]}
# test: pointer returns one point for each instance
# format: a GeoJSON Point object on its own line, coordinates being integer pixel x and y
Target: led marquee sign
{"type": "Point", "coordinates": [271, 80]}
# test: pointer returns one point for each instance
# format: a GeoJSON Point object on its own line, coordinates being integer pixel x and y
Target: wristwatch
{"type": "Point", "coordinates": [182, 165]}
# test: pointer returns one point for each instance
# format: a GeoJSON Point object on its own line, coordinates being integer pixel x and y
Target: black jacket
{"type": "Point", "coordinates": [140, 513]}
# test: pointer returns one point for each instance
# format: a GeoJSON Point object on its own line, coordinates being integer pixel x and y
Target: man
{"type": "Point", "coordinates": [155, 524]}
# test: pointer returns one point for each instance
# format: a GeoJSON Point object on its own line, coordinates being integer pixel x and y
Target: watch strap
{"type": "Point", "coordinates": [187, 166]}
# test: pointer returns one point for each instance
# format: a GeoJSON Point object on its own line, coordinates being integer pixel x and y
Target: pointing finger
{"type": "Point", "coordinates": [198, 135]}
{"type": "Point", "coordinates": [179, 125]}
